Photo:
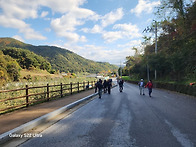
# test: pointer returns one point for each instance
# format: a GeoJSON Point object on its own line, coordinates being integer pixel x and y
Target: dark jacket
{"type": "Point", "coordinates": [99, 85]}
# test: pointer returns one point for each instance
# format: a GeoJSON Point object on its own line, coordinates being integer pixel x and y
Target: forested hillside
{"type": "Point", "coordinates": [176, 55]}
{"type": "Point", "coordinates": [27, 59]}
{"type": "Point", "coordinates": [60, 59]}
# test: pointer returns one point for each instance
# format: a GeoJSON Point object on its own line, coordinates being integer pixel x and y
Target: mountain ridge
{"type": "Point", "coordinates": [60, 59]}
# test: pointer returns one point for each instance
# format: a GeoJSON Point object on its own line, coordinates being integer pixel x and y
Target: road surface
{"type": "Point", "coordinates": [126, 119]}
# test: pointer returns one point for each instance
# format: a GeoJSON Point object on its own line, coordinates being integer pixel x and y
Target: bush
{"type": "Point", "coordinates": [13, 70]}
{"type": "Point", "coordinates": [186, 89]}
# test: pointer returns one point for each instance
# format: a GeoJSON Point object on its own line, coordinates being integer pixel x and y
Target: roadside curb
{"type": "Point", "coordinates": [27, 126]}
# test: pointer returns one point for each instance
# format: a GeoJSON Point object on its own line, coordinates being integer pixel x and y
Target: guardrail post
{"type": "Point", "coordinates": [27, 96]}
{"type": "Point", "coordinates": [61, 90]}
{"type": "Point", "coordinates": [78, 87]}
{"type": "Point", "coordinates": [71, 87]}
{"type": "Point", "coordinates": [48, 92]}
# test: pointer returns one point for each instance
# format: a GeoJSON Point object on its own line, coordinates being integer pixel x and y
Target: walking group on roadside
{"type": "Point", "coordinates": [105, 86]}
{"type": "Point", "coordinates": [142, 85]}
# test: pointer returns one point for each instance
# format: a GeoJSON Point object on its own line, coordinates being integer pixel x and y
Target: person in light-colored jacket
{"type": "Point", "coordinates": [141, 87]}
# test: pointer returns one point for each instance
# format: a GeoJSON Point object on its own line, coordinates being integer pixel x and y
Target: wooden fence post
{"type": "Point", "coordinates": [71, 87]}
{"type": "Point", "coordinates": [78, 87]}
{"type": "Point", "coordinates": [27, 96]}
{"type": "Point", "coordinates": [61, 90]}
{"type": "Point", "coordinates": [48, 92]}
{"type": "Point", "coordinates": [83, 85]}
{"type": "Point", "coordinates": [92, 83]}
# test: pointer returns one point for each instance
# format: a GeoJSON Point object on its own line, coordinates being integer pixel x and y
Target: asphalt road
{"type": "Point", "coordinates": [126, 119]}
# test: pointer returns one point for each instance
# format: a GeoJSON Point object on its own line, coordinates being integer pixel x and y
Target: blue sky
{"type": "Point", "coordinates": [100, 30]}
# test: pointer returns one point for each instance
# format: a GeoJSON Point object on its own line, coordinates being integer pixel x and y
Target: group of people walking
{"type": "Point", "coordinates": [103, 85]}
{"type": "Point", "coordinates": [142, 86]}
{"type": "Point", "coordinates": [107, 84]}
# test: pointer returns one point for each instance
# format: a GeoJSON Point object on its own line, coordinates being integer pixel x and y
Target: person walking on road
{"type": "Point", "coordinates": [141, 87]}
{"type": "Point", "coordinates": [149, 85]}
{"type": "Point", "coordinates": [96, 86]}
{"type": "Point", "coordinates": [109, 85]}
{"type": "Point", "coordinates": [121, 85]}
{"type": "Point", "coordinates": [100, 87]}
{"type": "Point", "coordinates": [105, 86]}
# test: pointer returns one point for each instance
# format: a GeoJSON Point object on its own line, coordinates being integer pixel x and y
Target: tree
{"type": "Point", "coordinates": [14, 70]}
{"type": "Point", "coordinates": [176, 57]}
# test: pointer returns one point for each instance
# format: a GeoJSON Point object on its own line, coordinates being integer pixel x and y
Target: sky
{"type": "Point", "coordinates": [100, 30]}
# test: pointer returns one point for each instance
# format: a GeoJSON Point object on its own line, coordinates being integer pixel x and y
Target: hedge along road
{"type": "Point", "coordinates": [126, 119]}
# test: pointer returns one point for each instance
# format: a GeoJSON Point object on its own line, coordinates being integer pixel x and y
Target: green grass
{"type": "Point", "coordinates": [127, 78]}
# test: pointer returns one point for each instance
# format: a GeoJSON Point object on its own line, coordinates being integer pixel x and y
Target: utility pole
{"type": "Point", "coordinates": [120, 69]}
{"type": "Point", "coordinates": [155, 73]}
{"type": "Point", "coordinates": [148, 73]}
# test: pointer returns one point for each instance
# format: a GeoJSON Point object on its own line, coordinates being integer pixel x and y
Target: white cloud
{"type": "Point", "coordinates": [112, 36]}
{"type": "Point", "coordinates": [23, 9]}
{"type": "Point", "coordinates": [67, 24]}
{"type": "Point", "coordinates": [44, 13]}
{"type": "Point", "coordinates": [108, 19]}
{"type": "Point", "coordinates": [124, 31]}
{"type": "Point", "coordinates": [128, 30]}
{"type": "Point", "coordinates": [21, 26]}
{"type": "Point", "coordinates": [18, 38]}
{"type": "Point", "coordinates": [62, 6]}
{"type": "Point", "coordinates": [83, 39]}
{"type": "Point", "coordinates": [96, 29]}
{"type": "Point", "coordinates": [101, 53]}
{"type": "Point", "coordinates": [131, 44]}
{"type": "Point", "coordinates": [144, 6]}
{"type": "Point", "coordinates": [29, 33]}
{"type": "Point", "coordinates": [20, 9]}
{"type": "Point", "coordinates": [13, 15]}
{"type": "Point", "coordinates": [112, 17]}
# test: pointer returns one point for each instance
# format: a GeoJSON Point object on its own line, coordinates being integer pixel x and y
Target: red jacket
{"type": "Point", "coordinates": [149, 85]}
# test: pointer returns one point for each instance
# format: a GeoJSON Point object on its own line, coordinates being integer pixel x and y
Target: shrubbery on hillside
{"type": "Point", "coordinates": [9, 68]}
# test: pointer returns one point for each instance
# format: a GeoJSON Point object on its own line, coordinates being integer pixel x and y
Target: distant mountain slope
{"type": "Point", "coordinates": [60, 59]}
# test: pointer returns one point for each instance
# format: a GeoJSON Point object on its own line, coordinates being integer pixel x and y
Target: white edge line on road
{"type": "Point", "coordinates": [181, 138]}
